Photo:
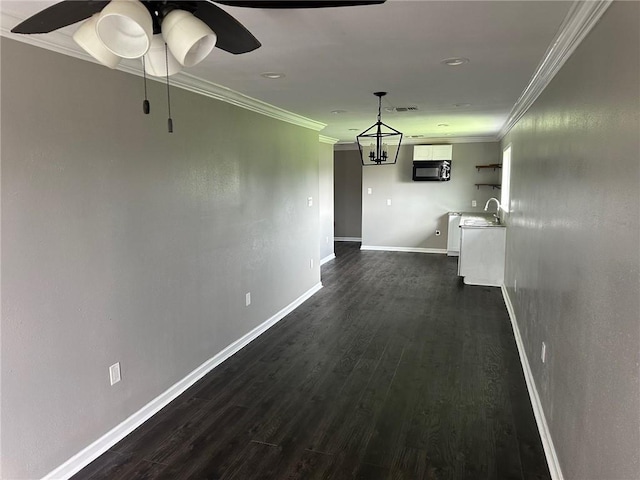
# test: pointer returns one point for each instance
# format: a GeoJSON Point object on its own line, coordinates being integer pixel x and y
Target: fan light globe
{"type": "Point", "coordinates": [156, 62]}
{"type": "Point", "coordinates": [125, 27]}
{"type": "Point", "coordinates": [86, 37]}
{"type": "Point", "coordinates": [189, 39]}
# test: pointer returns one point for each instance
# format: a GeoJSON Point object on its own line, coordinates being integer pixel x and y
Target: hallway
{"type": "Point", "coordinates": [394, 370]}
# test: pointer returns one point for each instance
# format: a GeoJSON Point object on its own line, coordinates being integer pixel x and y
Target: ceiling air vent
{"type": "Point", "coordinates": [406, 109]}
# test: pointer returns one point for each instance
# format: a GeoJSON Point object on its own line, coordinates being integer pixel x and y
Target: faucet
{"type": "Point", "coordinates": [486, 206]}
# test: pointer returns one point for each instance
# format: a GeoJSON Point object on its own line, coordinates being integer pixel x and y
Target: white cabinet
{"type": "Point", "coordinates": [423, 152]}
{"type": "Point", "coordinates": [482, 251]}
{"type": "Point", "coordinates": [442, 152]}
{"type": "Point", "coordinates": [432, 152]}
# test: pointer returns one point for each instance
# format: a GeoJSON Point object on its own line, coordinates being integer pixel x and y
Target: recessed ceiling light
{"type": "Point", "coordinates": [338, 112]}
{"type": "Point", "coordinates": [455, 61]}
{"type": "Point", "coordinates": [272, 75]}
{"type": "Point", "coordinates": [461, 105]}
{"type": "Point", "coordinates": [443, 124]}
{"type": "Point", "coordinates": [354, 129]}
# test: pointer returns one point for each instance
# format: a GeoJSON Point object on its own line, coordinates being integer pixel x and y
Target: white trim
{"type": "Point", "coordinates": [56, 41]}
{"type": "Point", "coordinates": [329, 140]}
{"type": "Point", "coordinates": [60, 41]}
{"type": "Point", "coordinates": [224, 94]}
{"type": "Point", "coordinates": [350, 145]}
{"type": "Point", "coordinates": [543, 427]}
{"type": "Point", "coordinates": [347, 239]}
{"type": "Point", "coordinates": [404, 249]}
{"type": "Point", "coordinates": [328, 258]}
{"type": "Point", "coordinates": [449, 140]}
{"type": "Point", "coordinates": [113, 436]}
{"type": "Point", "coordinates": [580, 19]}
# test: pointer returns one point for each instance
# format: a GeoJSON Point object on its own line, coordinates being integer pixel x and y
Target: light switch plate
{"type": "Point", "coordinates": [114, 373]}
{"type": "Point", "coordinates": [247, 299]}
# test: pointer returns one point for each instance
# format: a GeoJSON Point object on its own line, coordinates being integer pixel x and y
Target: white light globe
{"type": "Point", "coordinates": [189, 38]}
{"type": "Point", "coordinates": [125, 27]}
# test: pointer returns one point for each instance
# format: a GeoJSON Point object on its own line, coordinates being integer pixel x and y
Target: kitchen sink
{"type": "Point", "coordinates": [488, 220]}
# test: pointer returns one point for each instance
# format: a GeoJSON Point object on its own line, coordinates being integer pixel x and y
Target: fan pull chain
{"type": "Point", "coordinates": [166, 59]}
{"type": "Point", "coordinates": [146, 108]}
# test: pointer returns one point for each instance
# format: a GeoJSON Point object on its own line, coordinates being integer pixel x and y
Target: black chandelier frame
{"type": "Point", "coordinates": [380, 131]}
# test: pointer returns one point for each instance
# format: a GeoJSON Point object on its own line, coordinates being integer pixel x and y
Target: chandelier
{"type": "Point", "coordinates": [373, 142]}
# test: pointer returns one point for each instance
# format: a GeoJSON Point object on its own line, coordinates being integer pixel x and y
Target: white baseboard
{"type": "Point", "coordinates": [543, 427]}
{"type": "Point", "coordinates": [347, 239]}
{"type": "Point", "coordinates": [328, 258]}
{"type": "Point", "coordinates": [113, 436]}
{"type": "Point", "coordinates": [404, 249]}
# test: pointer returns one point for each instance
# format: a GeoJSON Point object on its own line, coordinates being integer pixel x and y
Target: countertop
{"type": "Point", "coordinates": [480, 220]}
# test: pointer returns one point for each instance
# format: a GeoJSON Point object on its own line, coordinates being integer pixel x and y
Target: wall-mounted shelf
{"type": "Point", "coordinates": [492, 185]}
{"type": "Point", "coordinates": [492, 165]}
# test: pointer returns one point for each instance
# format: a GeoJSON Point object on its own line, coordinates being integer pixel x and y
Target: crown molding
{"type": "Point", "coordinates": [55, 41]}
{"type": "Point", "coordinates": [329, 140]}
{"type": "Point", "coordinates": [62, 42]}
{"type": "Point", "coordinates": [425, 141]}
{"type": "Point", "coordinates": [581, 18]}
{"type": "Point", "coordinates": [447, 140]}
{"type": "Point", "coordinates": [197, 85]}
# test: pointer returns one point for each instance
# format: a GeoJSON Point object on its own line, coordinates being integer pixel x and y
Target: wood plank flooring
{"type": "Point", "coordinates": [395, 370]}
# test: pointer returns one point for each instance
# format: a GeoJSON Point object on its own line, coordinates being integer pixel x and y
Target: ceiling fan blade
{"type": "Point", "coordinates": [298, 3]}
{"type": "Point", "coordinates": [59, 15]}
{"type": "Point", "coordinates": [233, 37]}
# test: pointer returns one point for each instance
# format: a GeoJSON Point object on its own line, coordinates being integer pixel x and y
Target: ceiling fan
{"type": "Point", "coordinates": [166, 34]}
{"type": "Point", "coordinates": [232, 36]}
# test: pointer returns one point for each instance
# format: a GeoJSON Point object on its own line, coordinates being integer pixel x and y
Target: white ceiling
{"type": "Point", "coordinates": [334, 59]}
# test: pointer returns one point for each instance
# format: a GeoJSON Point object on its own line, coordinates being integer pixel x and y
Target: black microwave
{"type": "Point", "coordinates": [432, 170]}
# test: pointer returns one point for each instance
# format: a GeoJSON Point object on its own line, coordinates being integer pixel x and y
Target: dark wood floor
{"type": "Point", "coordinates": [395, 370]}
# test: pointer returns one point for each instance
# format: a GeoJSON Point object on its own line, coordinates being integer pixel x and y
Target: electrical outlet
{"type": "Point", "coordinates": [369, 191]}
{"type": "Point", "coordinates": [543, 352]}
{"type": "Point", "coordinates": [311, 263]}
{"type": "Point", "coordinates": [388, 202]}
{"type": "Point", "coordinates": [247, 299]}
{"type": "Point", "coordinates": [310, 201]}
{"type": "Point", "coordinates": [437, 233]}
{"type": "Point", "coordinates": [114, 373]}
{"type": "Point", "coordinates": [474, 203]}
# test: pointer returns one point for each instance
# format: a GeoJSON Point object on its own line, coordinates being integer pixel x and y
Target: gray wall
{"type": "Point", "coordinates": [418, 209]}
{"type": "Point", "coordinates": [326, 200]}
{"type": "Point", "coordinates": [573, 248]}
{"type": "Point", "coordinates": [348, 194]}
{"type": "Point", "coordinates": [123, 243]}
